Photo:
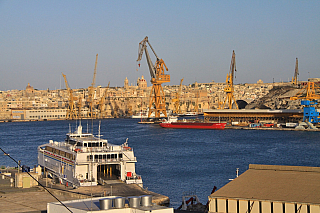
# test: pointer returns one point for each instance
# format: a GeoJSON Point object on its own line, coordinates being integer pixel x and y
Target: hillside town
{"type": "Point", "coordinates": [116, 102]}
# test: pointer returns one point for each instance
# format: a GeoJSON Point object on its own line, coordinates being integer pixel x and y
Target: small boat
{"type": "Point", "coordinates": [173, 122]}
{"type": "Point", "coordinates": [144, 114]}
{"type": "Point", "coordinates": [141, 114]}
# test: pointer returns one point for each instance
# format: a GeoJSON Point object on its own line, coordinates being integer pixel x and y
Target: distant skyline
{"type": "Point", "coordinates": [42, 39]}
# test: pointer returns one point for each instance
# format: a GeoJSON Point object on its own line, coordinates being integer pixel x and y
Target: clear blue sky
{"type": "Point", "coordinates": [41, 39]}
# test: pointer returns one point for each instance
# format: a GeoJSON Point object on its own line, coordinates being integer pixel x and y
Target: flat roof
{"type": "Point", "coordinates": [274, 183]}
{"type": "Point", "coordinates": [252, 111]}
{"type": "Point", "coordinates": [93, 204]}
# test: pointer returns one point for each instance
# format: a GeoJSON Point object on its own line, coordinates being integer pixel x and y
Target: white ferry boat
{"type": "Point", "coordinates": [83, 160]}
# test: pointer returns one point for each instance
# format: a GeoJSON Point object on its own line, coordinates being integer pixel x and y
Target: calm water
{"type": "Point", "coordinates": [172, 161]}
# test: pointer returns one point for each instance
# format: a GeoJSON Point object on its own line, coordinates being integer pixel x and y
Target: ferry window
{"type": "Point", "coordinates": [120, 155]}
{"type": "Point", "coordinates": [101, 144]}
{"type": "Point", "coordinates": [104, 156]}
{"type": "Point", "coordinates": [96, 157]}
{"type": "Point", "coordinates": [85, 145]}
{"type": "Point", "coordinates": [89, 144]}
{"type": "Point", "coordinates": [97, 144]}
{"type": "Point", "coordinates": [100, 156]}
{"type": "Point", "coordinates": [62, 153]}
{"type": "Point", "coordinates": [112, 156]}
{"type": "Point", "coordinates": [67, 155]}
{"type": "Point", "coordinates": [108, 156]}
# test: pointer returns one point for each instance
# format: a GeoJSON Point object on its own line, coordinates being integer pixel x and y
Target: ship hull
{"type": "Point", "coordinates": [193, 125]}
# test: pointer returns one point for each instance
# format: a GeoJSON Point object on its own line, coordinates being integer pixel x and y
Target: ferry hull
{"type": "Point", "coordinates": [193, 125]}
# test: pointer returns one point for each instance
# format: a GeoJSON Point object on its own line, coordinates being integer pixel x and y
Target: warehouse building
{"type": "Point", "coordinates": [270, 189]}
{"type": "Point", "coordinates": [251, 115]}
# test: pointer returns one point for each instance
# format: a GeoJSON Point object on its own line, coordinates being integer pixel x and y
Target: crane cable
{"type": "Point", "coordinates": [35, 180]}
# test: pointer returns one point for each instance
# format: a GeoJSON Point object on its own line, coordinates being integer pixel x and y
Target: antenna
{"type": "Point", "coordinates": [99, 135]}
{"type": "Point", "coordinates": [87, 127]}
{"type": "Point", "coordinates": [237, 171]}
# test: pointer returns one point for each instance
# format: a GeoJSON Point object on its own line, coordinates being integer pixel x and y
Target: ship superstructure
{"type": "Point", "coordinates": [84, 160]}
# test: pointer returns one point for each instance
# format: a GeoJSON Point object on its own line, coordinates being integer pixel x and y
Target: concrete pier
{"type": "Point", "coordinates": [35, 199]}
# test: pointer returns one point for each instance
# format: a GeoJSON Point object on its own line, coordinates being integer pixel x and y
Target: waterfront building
{"type": "Point", "coordinates": [44, 114]}
{"type": "Point", "coordinates": [270, 189]}
{"type": "Point", "coordinates": [121, 100]}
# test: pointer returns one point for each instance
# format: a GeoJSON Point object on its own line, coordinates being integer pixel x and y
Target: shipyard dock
{"type": "Point", "coordinates": [35, 199]}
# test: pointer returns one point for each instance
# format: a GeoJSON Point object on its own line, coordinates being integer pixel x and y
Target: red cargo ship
{"type": "Point", "coordinates": [184, 124]}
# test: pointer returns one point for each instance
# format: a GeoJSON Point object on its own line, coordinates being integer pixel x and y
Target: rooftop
{"type": "Point", "coordinates": [275, 183]}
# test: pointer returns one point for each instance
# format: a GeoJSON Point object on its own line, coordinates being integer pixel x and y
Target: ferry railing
{"type": "Point", "coordinates": [135, 179]}
{"type": "Point", "coordinates": [115, 160]}
{"type": "Point", "coordinates": [101, 149]}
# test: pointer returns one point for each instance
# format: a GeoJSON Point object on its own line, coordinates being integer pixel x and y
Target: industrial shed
{"type": "Point", "coordinates": [270, 189]}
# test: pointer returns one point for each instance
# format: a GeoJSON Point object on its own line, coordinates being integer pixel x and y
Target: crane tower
{"type": "Point", "coordinates": [176, 100]}
{"type": "Point", "coordinates": [102, 103]}
{"type": "Point", "coordinates": [296, 73]}
{"type": "Point", "coordinates": [91, 89]}
{"type": "Point", "coordinates": [157, 78]}
{"type": "Point", "coordinates": [71, 112]}
{"type": "Point", "coordinates": [229, 81]}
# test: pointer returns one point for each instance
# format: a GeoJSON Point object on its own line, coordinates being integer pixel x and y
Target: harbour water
{"type": "Point", "coordinates": [173, 161]}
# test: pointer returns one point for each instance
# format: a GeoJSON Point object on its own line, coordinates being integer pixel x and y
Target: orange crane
{"type": "Point", "coordinates": [157, 78]}
{"type": "Point", "coordinates": [229, 81]}
{"type": "Point", "coordinates": [196, 105]}
{"type": "Point", "coordinates": [296, 73]}
{"type": "Point", "coordinates": [102, 103]}
{"type": "Point", "coordinates": [308, 92]}
{"type": "Point", "coordinates": [71, 112]}
{"type": "Point", "coordinates": [309, 95]}
{"type": "Point", "coordinates": [91, 113]}
{"type": "Point", "coordinates": [176, 100]}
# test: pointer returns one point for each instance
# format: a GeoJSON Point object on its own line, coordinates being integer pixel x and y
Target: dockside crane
{"type": "Point", "coordinates": [176, 100]}
{"type": "Point", "coordinates": [102, 103]}
{"type": "Point", "coordinates": [71, 112]}
{"type": "Point", "coordinates": [196, 105]}
{"type": "Point", "coordinates": [229, 81]}
{"type": "Point", "coordinates": [309, 96]}
{"type": "Point", "coordinates": [157, 78]}
{"type": "Point", "coordinates": [309, 92]}
{"type": "Point", "coordinates": [296, 73]}
{"type": "Point", "coordinates": [91, 89]}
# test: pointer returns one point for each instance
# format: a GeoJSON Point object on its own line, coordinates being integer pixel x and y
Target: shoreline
{"type": "Point", "coordinates": [227, 127]}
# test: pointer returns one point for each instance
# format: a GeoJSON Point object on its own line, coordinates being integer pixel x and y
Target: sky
{"type": "Point", "coordinates": [39, 40]}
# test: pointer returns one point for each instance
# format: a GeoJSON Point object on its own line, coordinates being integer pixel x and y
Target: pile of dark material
{"type": "Point", "coordinates": [277, 98]}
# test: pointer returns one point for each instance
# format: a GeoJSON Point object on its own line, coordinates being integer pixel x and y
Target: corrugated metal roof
{"type": "Point", "coordinates": [275, 183]}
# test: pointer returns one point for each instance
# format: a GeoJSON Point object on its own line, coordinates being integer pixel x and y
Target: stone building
{"type": "Point", "coordinates": [29, 90]}
{"type": "Point", "coordinates": [142, 83]}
